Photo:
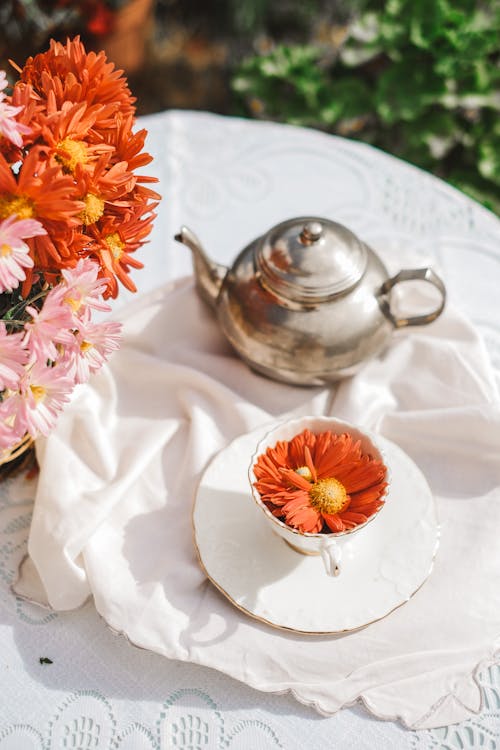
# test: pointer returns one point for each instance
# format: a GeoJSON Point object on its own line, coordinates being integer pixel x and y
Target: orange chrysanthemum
{"type": "Point", "coordinates": [115, 238]}
{"type": "Point", "coordinates": [130, 149]}
{"type": "Point", "coordinates": [70, 135]}
{"type": "Point", "coordinates": [113, 185]}
{"type": "Point", "coordinates": [79, 162]}
{"type": "Point", "coordinates": [74, 75]}
{"type": "Point", "coordinates": [46, 194]}
{"type": "Point", "coordinates": [320, 483]}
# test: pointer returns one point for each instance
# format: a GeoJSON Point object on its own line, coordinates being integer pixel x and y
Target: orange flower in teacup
{"type": "Point", "coordinates": [318, 480]}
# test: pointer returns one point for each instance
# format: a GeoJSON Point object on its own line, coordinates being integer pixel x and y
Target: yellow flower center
{"type": "Point", "coordinates": [85, 346]}
{"type": "Point", "coordinates": [94, 209]}
{"type": "Point", "coordinates": [5, 250]}
{"type": "Point", "coordinates": [16, 204]}
{"type": "Point", "coordinates": [75, 304]}
{"type": "Point", "coordinates": [115, 244]}
{"type": "Point", "coordinates": [38, 392]}
{"type": "Point", "coordinates": [75, 152]}
{"type": "Point", "coordinates": [304, 471]}
{"type": "Point", "coordinates": [328, 496]}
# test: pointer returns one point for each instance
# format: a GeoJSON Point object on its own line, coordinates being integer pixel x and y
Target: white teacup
{"type": "Point", "coordinates": [328, 545]}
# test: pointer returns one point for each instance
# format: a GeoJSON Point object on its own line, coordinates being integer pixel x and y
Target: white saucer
{"type": "Point", "coordinates": [260, 574]}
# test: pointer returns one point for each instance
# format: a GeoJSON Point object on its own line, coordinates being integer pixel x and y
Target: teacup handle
{"type": "Point", "coordinates": [422, 274]}
{"type": "Point", "coordinates": [331, 554]}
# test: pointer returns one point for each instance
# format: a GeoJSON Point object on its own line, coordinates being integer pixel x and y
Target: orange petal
{"type": "Point", "coordinates": [368, 509]}
{"type": "Point", "coordinates": [369, 494]}
{"type": "Point", "coordinates": [307, 520]}
{"type": "Point", "coordinates": [296, 480]}
{"type": "Point", "coordinates": [362, 476]}
{"type": "Point", "coordinates": [309, 463]}
{"type": "Point", "coordinates": [333, 521]}
{"type": "Point", "coordinates": [296, 447]}
{"type": "Point", "coordinates": [298, 501]}
{"type": "Point", "coordinates": [349, 524]}
{"type": "Point", "coordinates": [349, 515]}
{"type": "Point", "coordinates": [270, 466]}
{"type": "Point", "coordinates": [340, 455]}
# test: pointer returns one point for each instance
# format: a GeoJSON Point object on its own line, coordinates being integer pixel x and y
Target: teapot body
{"type": "Point", "coordinates": [308, 302]}
{"type": "Point", "coordinates": [298, 342]}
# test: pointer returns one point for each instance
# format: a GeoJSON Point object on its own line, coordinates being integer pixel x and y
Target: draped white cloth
{"type": "Point", "coordinates": [118, 475]}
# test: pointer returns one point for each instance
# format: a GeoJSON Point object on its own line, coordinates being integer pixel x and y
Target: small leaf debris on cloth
{"type": "Point", "coordinates": [45, 660]}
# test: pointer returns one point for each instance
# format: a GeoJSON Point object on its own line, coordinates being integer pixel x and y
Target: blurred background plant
{"type": "Point", "coordinates": [420, 79]}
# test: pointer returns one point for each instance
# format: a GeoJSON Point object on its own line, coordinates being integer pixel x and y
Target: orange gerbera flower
{"type": "Point", "coordinates": [320, 483]}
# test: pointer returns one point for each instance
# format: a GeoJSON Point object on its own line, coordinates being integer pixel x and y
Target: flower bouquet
{"type": "Point", "coordinates": [73, 211]}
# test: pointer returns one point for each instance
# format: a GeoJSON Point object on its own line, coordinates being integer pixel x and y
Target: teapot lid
{"type": "Point", "coordinates": [310, 259]}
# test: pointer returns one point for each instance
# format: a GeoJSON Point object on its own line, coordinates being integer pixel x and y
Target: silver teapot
{"type": "Point", "coordinates": [308, 302]}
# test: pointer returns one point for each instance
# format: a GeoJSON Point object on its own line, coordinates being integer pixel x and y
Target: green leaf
{"type": "Point", "coordinates": [489, 159]}
{"type": "Point", "coordinates": [433, 135]}
{"type": "Point", "coordinates": [353, 95]}
{"type": "Point", "coordinates": [426, 22]}
{"type": "Point", "coordinates": [404, 91]}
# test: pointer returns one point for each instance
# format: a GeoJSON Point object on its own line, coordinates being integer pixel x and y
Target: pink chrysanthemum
{"type": "Point", "coordinates": [14, 252]}
{"type": "Point", "coordinates": [50, 326]}
{"type": "Point", "coordinates": [13, 357]}
{"type": "Point", "coordinates": [84, 289]}
{"type": "Point", "coordinates": [12, 425]}
{"type": "Point", "coordinates": [10, 128]}
{"type": "Point", "coordinates": [94, 342]}
{"type": "Point", "coordinates": [44, 392]}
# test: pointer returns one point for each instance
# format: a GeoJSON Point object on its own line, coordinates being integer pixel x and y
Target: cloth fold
{"type": "Point", "coordinates": [118, 475]}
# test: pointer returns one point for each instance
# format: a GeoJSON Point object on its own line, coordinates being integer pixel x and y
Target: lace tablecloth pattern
{"type": "Point", "coordinates": [68, 681]}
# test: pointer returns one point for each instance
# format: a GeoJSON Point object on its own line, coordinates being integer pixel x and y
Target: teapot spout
{"type": "Point", "coordinates": [209, 275]}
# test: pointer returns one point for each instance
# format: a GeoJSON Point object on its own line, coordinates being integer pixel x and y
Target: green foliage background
{"type": "Point", "coordinates": [418, 78]}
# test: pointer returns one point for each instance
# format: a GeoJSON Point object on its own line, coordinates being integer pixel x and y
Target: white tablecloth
{"type": "Point", "coordinates": [230, 180]}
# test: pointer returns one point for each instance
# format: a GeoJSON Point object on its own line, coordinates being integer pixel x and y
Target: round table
{"type": "Point", "coordinates": [68, 680]}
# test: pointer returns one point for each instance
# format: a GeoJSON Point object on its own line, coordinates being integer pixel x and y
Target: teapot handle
{"type": "Point", "coordinates": [410, 274]}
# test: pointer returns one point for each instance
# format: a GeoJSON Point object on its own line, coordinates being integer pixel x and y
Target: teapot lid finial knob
{"type": "Point", "coordinates": [311, 232]}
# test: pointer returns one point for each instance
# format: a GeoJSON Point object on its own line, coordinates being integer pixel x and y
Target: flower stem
{"type": "Point", "coordinates": [26, 302]}
{"type": "Point", "coordinates": [21, 306]}
{"type": "Point", "coordinates": [13, 322]}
